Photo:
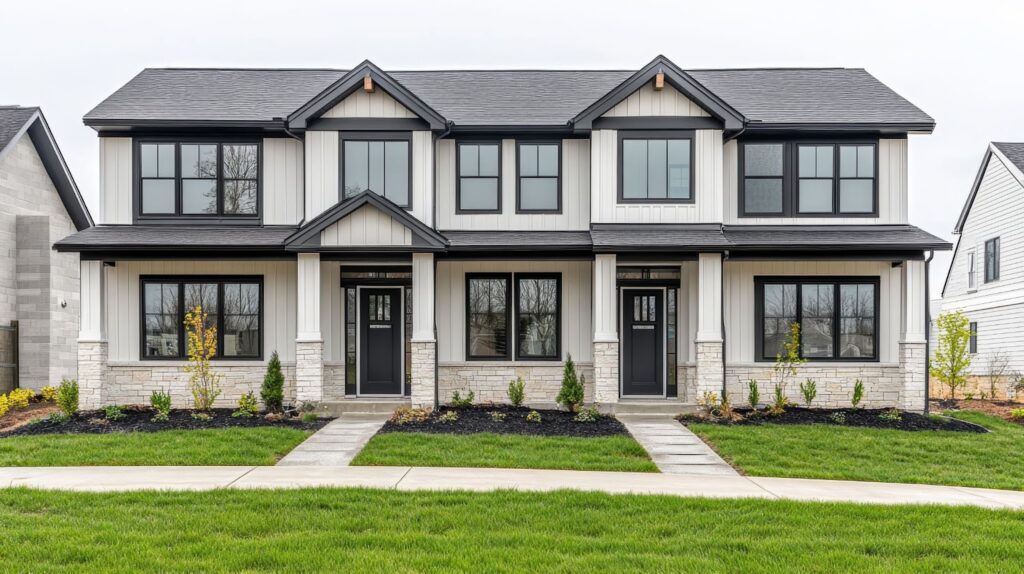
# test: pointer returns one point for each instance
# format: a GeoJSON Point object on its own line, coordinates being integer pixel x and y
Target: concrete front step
{"type": "Point", "coordinates": [649, 407]}
{"type": "Point", "coordinates": [354, 405]}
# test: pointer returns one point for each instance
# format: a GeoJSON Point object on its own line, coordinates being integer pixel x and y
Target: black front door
{"type": "Point", "coordinates": [643, 342]}
{"type": "Point", "coordinates": [380, 341]}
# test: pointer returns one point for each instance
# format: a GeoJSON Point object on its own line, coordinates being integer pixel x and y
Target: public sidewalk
{"type": "Point", "coordinates": [125, 478]}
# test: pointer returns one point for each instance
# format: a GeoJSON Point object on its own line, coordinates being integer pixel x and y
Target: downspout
{"type": "Point", "coordinates": [721, 287]}
{"type": "Point", "coordinates": [284, 125]}
{"type": "Point", "coordinates": [437, 381]}
{"type": "Point", "coordinates": [927, 329]}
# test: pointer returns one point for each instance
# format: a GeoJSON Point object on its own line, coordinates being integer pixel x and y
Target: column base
{"type": "Point", "coordinates": [92, 374]}
{"type": "Point", "coordinates": [606, 372]}
{"type": "Point", "coordinates": [912, 366]}
{"type": "Point", "coordinates": [709, 369]}
{"type": "Point", "coordinates": [309, 371]}
{"type": "Point", "coordinates": [424, 354]}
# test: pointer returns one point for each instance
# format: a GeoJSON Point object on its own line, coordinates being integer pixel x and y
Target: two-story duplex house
{"type": "Point", "coordinates": [408, 234]}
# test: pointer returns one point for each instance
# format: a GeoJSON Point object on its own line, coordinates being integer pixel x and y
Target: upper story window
{"type": "Point", "coordinates": [198, 179]}
{"type": "Point", "coordinates": [808, 179]}
{"type": "Point", "coordinates": [479, 183]}
{"type": "Point", "coordinates": [655, 167]}
{"type": "Point", "coordinates": [381, 163]}
{"type": "Point", "coordinates": [992, 260]}
{"type": "Point", "coordinates": [539, 185]}
{"type": "Point", "coordinates": [972, 271]}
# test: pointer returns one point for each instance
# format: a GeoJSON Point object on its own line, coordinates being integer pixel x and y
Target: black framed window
{"type": "Point", "coordinates": [992, 260]}
{"type": "Point", "coordinates": [539, 183]}
{"type": "Point", "coordinates": [816, 184]}
{"type": "Point", "coordinates": [479, 182]}
{"type": "Point", "coordinates": [762, 182]}
{"type": "Point", "coordinates": [655, 167]}
{"type": "Point", "coordinates": [198, 179]}
{"type": "Point", "coordinates": [856, 178]}
{"type": "Point", "coordinates": [488, 316]}
{"type": "Point", "coordinates": [973, 326]}
{"type": "Point", "coordinates": [538, 316]}
{"type": "Point", "coordinates": [838, 317]}
{"type": "Point", "coordinates": [381, 164]}
{"type": "Point", "coordinates": [234, 305]}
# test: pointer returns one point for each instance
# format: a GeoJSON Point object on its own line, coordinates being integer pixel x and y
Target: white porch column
{"type": "Point", "coordinates": [424, 344]}
{"type": "Point", "coordinates": [606, 331]}
{"type": "Point", "coordinates": [92, 335]}
{"type": "Point", "coordinates": [309, 344]}
{"type": "Point", "coordinates": [912, 342]}
{"type": "Point", "coordinates": [709, 346]}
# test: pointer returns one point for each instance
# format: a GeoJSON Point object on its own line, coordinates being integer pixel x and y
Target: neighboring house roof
{"type": "Point", "coordinates": [1014, 152]}
{"type": "Point", "coordinates": [1012, 155]}
{"type": "Point", "coordinates": [261, 97]}
{"type": "Point", "coordinates": [16, 121]}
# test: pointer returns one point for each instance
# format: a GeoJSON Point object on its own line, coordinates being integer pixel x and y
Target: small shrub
{"type": "Point", "coordinates": [448, 417]}
{"type": "Point", "coordinates": [498, 416]}
{"type": "Point", "coordinates": [890, 415]}
{"type": "Point", "coordinates": [838, 417]}
{"type": "Point", "coordinates": [272, 391]}
{"type": "Point", "coordinates": [459, 402]}
{"type": "Point", "coordinates": [247, 406]}
{"type": "Point", "coordinates": [201, 346]}
{"type": "Point", "coordinates": [308, 418]}
{"type": "Point", "coordinates": [19, 398]}
{"type": "Point", "coordinates": [753, 394]}
{"type": "Point", "coordinates": [809, 389]}
{"type": "Point", "coordinates": [858, 393]}
{"type": "Point", "coordinates": [533, 417]}
{"type": "Point", "coordinates": [113, 413]}
{"type": "Point", "coordinates": [37, 421]}
{"type": "Point", "coordinates": [202, 416]}
{"type": "Point", "coordinates": [779, 402]}
{"type": "Point", "coordinates": [48, 393]}
{"type": "Point", "coordinates": [571, 394]}
{"type": "Point", "coordinates": [517, 391]}
{"type": "Point", "coordinates": [405, 415]}
{"type": "Point", "coordinates": [67, 397]}
{"type": "Point", "coordinates": [161, 403]}
{"type": "Point", "coordinates": [588, 415]}
{"type": "Point", "coordinates": [58, 418]}
{"type": "Point", "coordinates": [709, 402]}
{"type": "Point", "coordinates": [968, 396]}
{"type": "Point", "coordinates": [5, 405]}
{"type": "Point", "coordinates": [1017, 414]}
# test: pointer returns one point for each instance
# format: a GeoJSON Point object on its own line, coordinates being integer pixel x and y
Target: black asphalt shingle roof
{"type": "Point", "coordinates": [830, 237]}
{"type": "Point", "coordinates": [12, 119]}
{"type": "Point", "coordinates": [502, 97]}
{"type": "Point", "coordinates": [612, 237]}
{"type": "Point", "coordinates": [518, 240]}
{"type": "Point", "coordinates": [176, 238]}
{"type": "Point", "coordinates": [1013, 152]}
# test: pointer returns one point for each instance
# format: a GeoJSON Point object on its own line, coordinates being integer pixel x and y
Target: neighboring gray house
{"type": "Point", "coordinates": [397, 236]}
{"type": "Point", "coordinates": [39, 290]}
{"type": "Point", "coordinates": [986, 276]}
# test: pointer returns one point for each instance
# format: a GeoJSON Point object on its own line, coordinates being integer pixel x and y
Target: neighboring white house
{"type": "Point", "coordinates": [986, 276]}
{"type": "Point", "coordinates": [402, 235]}
{"type": "Point", "coordinates": [39, 204]}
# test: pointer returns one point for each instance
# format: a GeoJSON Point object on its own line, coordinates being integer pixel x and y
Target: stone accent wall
{"type": "Point", "coordinates": [309, 371]}
{"type": "Point", "coordinates": [424, 354]}
{"type": "Point", "coordinates": [334, 381]}
{"type": "Point", "coordinates": [708, 372]}
{"type": "Point", "coordinates": [606, 372]}
{"type": "Point", "coordinates": [93, 385]}
{"type": "Point", "coordinates": [489, 381]}
{"type": "Point", "coordinates": [977, 384]}
{"type": "Point", "coordinates": [913, 370]}
{"type": "Point", "coordinates": [132, 384]}
{"type": "Point", "coordinates": [686, 384]}
{"type": "Point", "coordinates": [882, 384]}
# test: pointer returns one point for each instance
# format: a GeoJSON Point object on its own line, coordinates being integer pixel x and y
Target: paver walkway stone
{"type": "Point", "coordinates": [337, 443]}
{"type": "Point", "coordinates": [673, 447]}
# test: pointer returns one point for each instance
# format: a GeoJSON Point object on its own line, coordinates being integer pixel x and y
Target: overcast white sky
{"type": "Point", "coordinates": [960, 64]}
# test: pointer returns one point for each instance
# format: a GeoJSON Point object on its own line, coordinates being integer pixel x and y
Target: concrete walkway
{"type": "Point", "coordinates": [673, 447]}
{"type": "Point", "coordinates": [123, 478]}
{"type": "Point", "coordinates": [337, 443]}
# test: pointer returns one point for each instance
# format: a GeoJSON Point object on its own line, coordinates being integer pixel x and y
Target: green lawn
{"type": "Point", "coordinates": [990, 460]}
{"type": "Point", "coordinates": [229, 446]}
{"type": "Point", "coordinates": [388, 531]}
{"type": "Point", "coordinates": [620, 453]}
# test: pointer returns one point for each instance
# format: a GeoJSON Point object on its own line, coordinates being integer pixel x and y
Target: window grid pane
{"type": "Point", "coordinates": [478, 177]}
{"type": "Point", "coordinates": [538, 177]}
{"type": "Point", "coordinates": [656, 169]}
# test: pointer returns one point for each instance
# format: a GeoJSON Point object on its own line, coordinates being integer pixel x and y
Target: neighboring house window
{"type": "Point", "coordinates": [201, 179]}
{"type": "Point", "coordinates": [838, 317]}
{"type": "Point", "coordinates": [974, 337]}
{"type": "Point", "coordinates": [381, 165]}
{"type": "Point", "coordinates": [655, 167]}
{"type": "Point", "coordinates": [538, 316]}
{"type": "Point", "coordinates": [479, 168]}
{"type": "Point", "coordinates": [992, 260]}
{"type": "Point", "coordinates": [487, 316]}
{"type": "Point", "coordinates": [972, 268]}
{"type": "Point", "coordinates": [233, 306]}
{"type": "Point", "coordinates": [809, 179]}
{"type": "Point", "coordinates": [539, 182]}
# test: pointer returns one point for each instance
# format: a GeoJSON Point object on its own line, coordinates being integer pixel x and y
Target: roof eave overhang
{"type": "Point", "coordinates": [832, 127]}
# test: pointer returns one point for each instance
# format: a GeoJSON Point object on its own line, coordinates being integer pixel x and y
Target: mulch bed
{"type": "Point", "coordinates": [139, 419]}
{"type": "Point", "coordinates": [853, 418]}
{"type": "Point", "coordinates": [1001, 409]}
{"type": "Point", "coordinates": [477, 419]}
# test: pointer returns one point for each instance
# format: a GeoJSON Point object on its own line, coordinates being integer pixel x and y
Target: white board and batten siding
{"type": "Point", "coordinates": [892, 190]}
{"type": "Point", "coordinates": [362, 104]}
{"type": "Point", "coordinates": [575, 182]}
{"type": "Point", "coordinates": [282, 181]}
{"type": "Point", "coordinates": [115, 181]}
{"type": "Point", "coordinates": [648, 102]}
{"type": "Point", "coordinates": [577, 330]}
{"type": "Point", "coordinates": [367, 226]}
{"type": "Point", "coordinates": [279, 302]}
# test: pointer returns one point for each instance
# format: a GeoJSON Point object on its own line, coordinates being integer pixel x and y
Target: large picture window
{"type": "Point", "coordinates": [479, 168]}
{"type": "Point", "coordinates": [538, 316]}
{"type": "Point", "coordinates": [539, 185]}
{"type": "Point", "coordinates": [521, 311]}
{"type": "Point", "coordinates": [198, 179]}
{"type": "Point", "coordinates": [233, 305]}
{"type": "Point", "coordinates": [383, 166]}
{"type": "Point", "coordinates": [838, 317]}
{"type": "Point", "coordinates": [655, 167]}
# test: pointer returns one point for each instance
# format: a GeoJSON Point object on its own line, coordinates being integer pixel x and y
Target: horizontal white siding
{"type": "Point", "coordinates": [279, 301]}
{"type": "Point", "coordinates": [376, 104]}
{"type": "Point", "coordinates": [577, 332]}
{"type": "Point", "coordinates": [282, 181]}
{"type": "Point", "coordinates": [650, 102]}
{"type": "Point", "coordinates": [999, 331]}
{"type": "Point", "coordinates": [115, 181]}
{"type": "Point", "coordinates": [575, 192]}
{"type": "Point", "coordinates": [739, 300]}
{"type": "Point", "coordinates": [707, 177]}
{"type": "Point", "coordinates": [367, 226]}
